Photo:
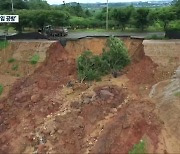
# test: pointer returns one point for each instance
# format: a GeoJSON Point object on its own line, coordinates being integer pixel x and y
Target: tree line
{"type": "Point", "coordinates": [38, 13]}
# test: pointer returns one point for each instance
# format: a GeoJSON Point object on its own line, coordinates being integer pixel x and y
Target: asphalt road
{"type": "Point", "coordinates": [77, 35]}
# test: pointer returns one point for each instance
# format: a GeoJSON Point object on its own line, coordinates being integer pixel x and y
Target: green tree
{"type": "Point", "coordinates": [176, 6]}
{"type": "Point", "coordinates": [166, 15]}
{"type": "Point", "coordinates": [59, 18]}
{"type": "Point", "coordinates": [40, 18]}
{"type": "Point", "coordinates": [101, 15]}
{"type": "Point", "coordinates": [26, 18]}
{"type": "Point", "coordinates": [18, 4]}
{"type": "Point", "coordinates": [176, 2]}
{"type": "Point", "coordinates": [38, 4]}
{"type": "Point", "coordinates": [142, 18]}
{"type": "Point", "coordinates": [79, 22]}
{"type": "Point", "coordinates": [76, 10]}
{"type": "Point", "coordinates": [122, 16]}
{"type": "Point", "coordinates": [88, 13]}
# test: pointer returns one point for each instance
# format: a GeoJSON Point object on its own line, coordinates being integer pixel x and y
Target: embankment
{"type": "Point", "coordinates": [48, 111]}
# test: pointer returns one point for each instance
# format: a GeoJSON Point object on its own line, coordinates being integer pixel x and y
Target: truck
{"type": "Point", "coordinates": [55, 32]}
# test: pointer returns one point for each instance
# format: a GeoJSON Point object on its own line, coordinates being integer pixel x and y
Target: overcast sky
{"type": "Point", "coordinates": [89, 1]}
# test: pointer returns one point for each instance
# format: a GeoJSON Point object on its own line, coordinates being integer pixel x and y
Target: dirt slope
{"type": "Point", "coordinates": [166, 94]}
{"type": "Point", "coordinates": [20, 52]}
{"type": "Point", "coordinates": [51, 112]}
{"type": "Point", "coordinates": [166, 54]}
{"type": "Point", "coordinates": [96, 45]}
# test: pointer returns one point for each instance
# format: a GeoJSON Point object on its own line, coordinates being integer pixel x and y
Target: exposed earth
{"type": "Point", "coordinates": [45, 109]}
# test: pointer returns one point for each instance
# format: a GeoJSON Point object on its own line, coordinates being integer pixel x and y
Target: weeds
{"type": "Point", "coordinates": [1, 89]}
{"type": "Point", "coordinates": [15, 67]}
{"type": "Point", "coordinates": [3, 44]}
{"type": "Point", "coordinates": [138, 148]}
{"type": "Point", "coordinates": [35, 58]}
{"type": "Point", "coordinates": [177, 94]}
{"type": "Point", "coordinates": [11, 60]}
{"type": "Point", "coordinates": [92, 67]}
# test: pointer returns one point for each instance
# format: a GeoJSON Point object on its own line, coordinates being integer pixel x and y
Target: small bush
{"type": "Point", "coordinates": [11, 60]}
{"type": "Point", "coordinates": [3, 44]}
{"type": "Point", "coordinates": [35, 58]}
{"type": "Point", "coordinates": [177, 94]}
{"type": "Point", "coordinates": [92, 67]}
{"type": "Point", "coordinates": [15, 67]}
{"type": "Point", "coordinates": [117, 55]}
{"type": "Point", "coordinates": [1, 89]}
{"type": "Point", "coordinates": [138, 148]}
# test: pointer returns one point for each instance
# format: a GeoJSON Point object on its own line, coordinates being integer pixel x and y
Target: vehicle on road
{"type": "Point", "coordinates": [54, 31]}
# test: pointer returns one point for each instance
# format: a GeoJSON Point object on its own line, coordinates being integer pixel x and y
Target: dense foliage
{"type": "Point", "coordinates": [114, 58]}
{"type": "Point", "coordinates": [116, 55]}
{"type": "Point", "coordinates": [37, 13]}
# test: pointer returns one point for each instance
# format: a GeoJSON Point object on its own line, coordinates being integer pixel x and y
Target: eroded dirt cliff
{"type": "Point", "coordinates": [49, 111]}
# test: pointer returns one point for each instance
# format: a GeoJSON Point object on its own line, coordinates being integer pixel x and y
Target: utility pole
{"type": "Point", "coordinates": [12, 5]}
{"type": "Point", "coordinates": [107, 15]}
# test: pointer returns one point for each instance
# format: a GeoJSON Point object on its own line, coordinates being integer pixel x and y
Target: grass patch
{"type": "Point", "coordinates": [11, 60]}
{"type": "Point", "coordinates": [15, 67]}
{"type": "Point", "coordinates": [34, 59]}
{"type": "Point", "coordinates": [177, 94]}
{"type": "Point", "coordinates": [1, 89]}
{"type": "Point", "coordinates": [138, 148]}
{"type": "Point", "coordinates": [3, 44]}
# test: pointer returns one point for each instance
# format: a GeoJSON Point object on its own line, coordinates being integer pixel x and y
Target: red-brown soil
{"type": "Point", "coordinates": [51, 112]}
{"type": "Point", "coordinates": [142, 72]}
